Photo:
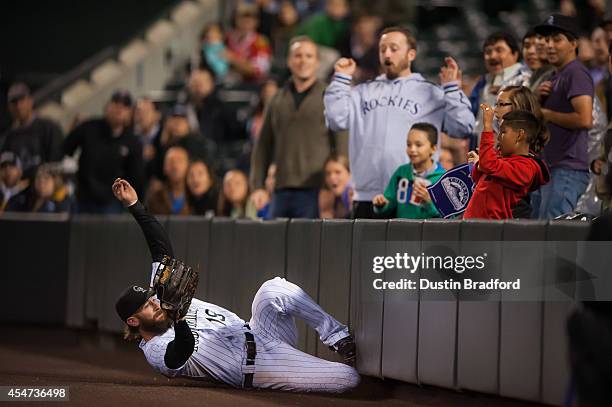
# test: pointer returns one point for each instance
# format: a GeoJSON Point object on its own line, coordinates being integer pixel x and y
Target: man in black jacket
{"type": "Point", "coordinates": [108, 149]}
{"type": "Point", "coordinates": [33, 139]}
{"type": "Point", "coordinates": [208, 116]}
{"type": "Point", "coordinates": [147, 129]}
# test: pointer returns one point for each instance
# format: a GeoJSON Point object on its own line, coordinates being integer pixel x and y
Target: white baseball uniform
{"type": "Point", "coordinates": [220, 348]}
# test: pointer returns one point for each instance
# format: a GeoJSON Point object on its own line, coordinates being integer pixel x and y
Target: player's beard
{"type": "Point", "coordinates": [156, 327]}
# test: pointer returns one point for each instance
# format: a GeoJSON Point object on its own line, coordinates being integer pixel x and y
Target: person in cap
{"type": "Point", "coordinates": [567, 106]}
{"type": "Point", "coordinates": [34, 139]}
{"type": "Point", "coordinates": [108, 149]}
{"type": "Point", "coordinates": [12, 182]}
{"type": "Point", "coordinates": [213, 343]}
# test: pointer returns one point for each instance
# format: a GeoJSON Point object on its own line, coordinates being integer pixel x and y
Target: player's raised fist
{"type": "Point", "coordinates": [346, 66]}
{"type": "Point", "coordinates": [124, 192]}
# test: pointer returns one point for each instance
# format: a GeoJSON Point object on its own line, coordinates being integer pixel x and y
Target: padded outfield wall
{"type": "Point", "coordinates": [69, 271]}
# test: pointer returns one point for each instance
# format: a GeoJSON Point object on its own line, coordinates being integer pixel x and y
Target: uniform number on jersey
{"type": "Point", "coordinates": [214, 317]}
{"type": "Point", "coordinates": [402, 190]}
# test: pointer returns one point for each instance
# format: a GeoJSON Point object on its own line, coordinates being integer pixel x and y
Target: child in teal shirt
{"type": "Point", "coordinates": [406, 196]}
{"type": "Point", "coordinates": [214, 51]}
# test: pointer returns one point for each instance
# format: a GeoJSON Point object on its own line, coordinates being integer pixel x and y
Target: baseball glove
{"type": "Point", "coordinates": [175, 284]}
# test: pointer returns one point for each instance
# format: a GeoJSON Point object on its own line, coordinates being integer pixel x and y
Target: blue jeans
{"type": "Point", "coordinates": [295, 203]}
{"type": "Point", "coordinates": [560, 195]}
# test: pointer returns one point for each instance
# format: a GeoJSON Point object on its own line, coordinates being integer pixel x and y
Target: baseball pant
{"type": "Point", "coordinates": [278, 364]}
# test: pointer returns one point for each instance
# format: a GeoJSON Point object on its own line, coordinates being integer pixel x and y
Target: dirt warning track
{"type": "Point", "coordinates": [102, 370]}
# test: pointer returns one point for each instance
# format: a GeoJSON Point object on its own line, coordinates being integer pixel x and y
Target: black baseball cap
{"type": "Point", "coordinates": [123, 96]}
{"type": "Point", "coordinates": [130, 301]}
{"type": "Point", "coordinates": [17, 91]}
{"type": "Point", "coordinates": [9, 158]}
{"type": "Point", "coordinates": [558, 23]}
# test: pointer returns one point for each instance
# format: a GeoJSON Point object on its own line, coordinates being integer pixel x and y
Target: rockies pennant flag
{"type": "Point", "coordinates": [453, 191]}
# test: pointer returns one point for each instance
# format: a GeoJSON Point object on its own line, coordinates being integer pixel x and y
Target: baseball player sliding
{"type": "Point", "coordinates": [181, 336]}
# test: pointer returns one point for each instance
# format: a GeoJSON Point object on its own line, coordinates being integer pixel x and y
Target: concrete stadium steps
{"type": "Point", "coordinates": [143, 65]}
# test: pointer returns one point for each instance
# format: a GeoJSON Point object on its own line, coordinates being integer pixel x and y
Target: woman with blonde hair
{"type": "Point", "coordinates": [521, 98]}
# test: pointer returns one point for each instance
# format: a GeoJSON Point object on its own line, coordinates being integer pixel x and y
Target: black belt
{"type": "Point", "coordinates": [251, 352]}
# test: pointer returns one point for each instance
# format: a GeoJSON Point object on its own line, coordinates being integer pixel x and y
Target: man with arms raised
{"type": "Point", "coordinates": [379, 113]}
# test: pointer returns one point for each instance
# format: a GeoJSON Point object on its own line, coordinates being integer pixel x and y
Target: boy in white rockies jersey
{"type": "Point", "coordinates": [214, 343]}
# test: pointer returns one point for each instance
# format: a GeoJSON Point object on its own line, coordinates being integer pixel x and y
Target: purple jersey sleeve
{"type": "Point", "coordinates": [580, 84]}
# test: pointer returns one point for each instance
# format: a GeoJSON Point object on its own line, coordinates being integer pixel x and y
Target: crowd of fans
{"type": "Point", "coordinates": [343, 126]}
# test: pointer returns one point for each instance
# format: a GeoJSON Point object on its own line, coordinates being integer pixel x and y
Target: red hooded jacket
{"type": "Point", "coordinates": [501, 182]}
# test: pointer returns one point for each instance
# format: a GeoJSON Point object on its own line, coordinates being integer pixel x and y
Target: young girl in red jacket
{"type": "Point", "coordinates": [503, 176]}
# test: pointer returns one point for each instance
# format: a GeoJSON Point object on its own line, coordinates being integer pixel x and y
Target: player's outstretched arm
{"type": "Point", "coordinates": [156, 236]}
{"type": "Point", "coordinates": [179, 350]}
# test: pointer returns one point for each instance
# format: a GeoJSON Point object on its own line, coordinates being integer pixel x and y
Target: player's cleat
{"type": "Point", "coordinates": [346, 348]}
